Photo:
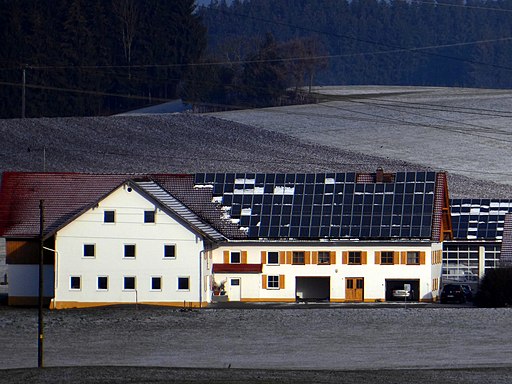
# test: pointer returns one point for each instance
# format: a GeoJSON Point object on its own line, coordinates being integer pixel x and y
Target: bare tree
{"type": "Point", "coordinates": [126, 11]}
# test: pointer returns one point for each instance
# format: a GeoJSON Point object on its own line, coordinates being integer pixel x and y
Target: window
{"type": "Point", "coordinates": [129, 250]}
{"type": "Point", "coordinates": [170, 251]}
{"type": "Point", "coordinates": [413, 257]}
{"type": "Point", "coordinates": [235, 258]}
{"type": "Point", "coordinates": [386, 258]}
{"type": "Point", "coordinates": [75, 282]}
{"type": "Point", "coordinates": [273, 258]}
{"type": "Point", "coordinates": [149, 216]}
{"type": "Point", "coordinates": [109, 216]}
{"type": "Point", "coordinates": [89, 250]}
{"type": "Point", "coordinates": [102, 283]}
{"type": "Point", "coordinates": [273, 282]}
{"type": "Point", "coordinates": [156, 283]}
{"type": "Point", "coordinates": [129, 283]}
{"type": "Point", "coordinates": [298, 258]}
{"type": "Point", "coordinates": [183, 283]}
{"type": "Point", "coordinates": [354, 257]}
{"type": "Point", "coordinates": [324, 257]}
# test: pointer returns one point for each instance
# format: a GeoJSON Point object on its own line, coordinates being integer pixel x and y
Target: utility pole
{"type": "Point", "coordinates": [23, 82]}
{"type": "Point", "coordinates": [41, 264]}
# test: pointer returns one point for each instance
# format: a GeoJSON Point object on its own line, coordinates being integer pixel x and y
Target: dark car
{"type": "Point", "coordinates": [456, 293]}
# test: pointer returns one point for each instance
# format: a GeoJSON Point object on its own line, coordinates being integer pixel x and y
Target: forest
{"type": "Point", "coordinates": [79, 58]}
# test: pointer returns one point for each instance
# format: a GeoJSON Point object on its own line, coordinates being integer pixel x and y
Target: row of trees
{"type": "Point", "coordinates": [78, 55]}
{"type": "Point", "coordinates": [400, 42]}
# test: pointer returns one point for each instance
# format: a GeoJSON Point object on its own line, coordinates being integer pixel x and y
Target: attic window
{"type": "Point", "coordinates": [149, 216]}
{"type": "Point", "coordinates": [109, 216]}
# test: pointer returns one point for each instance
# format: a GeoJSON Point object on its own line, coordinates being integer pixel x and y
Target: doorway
{"type": "Point", "coordinates": [312, 288]}
{"type": "Point", "coordinates": [354, 289]}
{"type": "Point", "coordinates": [234, 289]}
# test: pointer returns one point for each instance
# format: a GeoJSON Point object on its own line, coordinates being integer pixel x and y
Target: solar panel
{"type": "Point", "coordinates": [327, 204]}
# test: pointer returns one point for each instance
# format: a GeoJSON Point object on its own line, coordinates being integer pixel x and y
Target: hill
{"type": "Point", "coordinates": [186, 143]}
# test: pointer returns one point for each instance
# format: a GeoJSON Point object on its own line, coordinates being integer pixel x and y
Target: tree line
{"type": "Point", "coordinates": [463, 43]}
{"type": "Point", "coordinates": [100, 57]}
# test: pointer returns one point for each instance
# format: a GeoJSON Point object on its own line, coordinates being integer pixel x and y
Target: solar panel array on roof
{"type": "Point", "coordinates": [480, 219]}
{"type": "Point", "coordinates": [325, 205]}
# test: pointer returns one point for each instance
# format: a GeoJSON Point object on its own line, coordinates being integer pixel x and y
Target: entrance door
{"type": "Point", "coordinates": [354, 289]}
{"type": "Point", "coordinates": [234, 289]}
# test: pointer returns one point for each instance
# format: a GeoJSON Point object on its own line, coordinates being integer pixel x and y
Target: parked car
{"type": "Point", "coordinates": [456, 293]}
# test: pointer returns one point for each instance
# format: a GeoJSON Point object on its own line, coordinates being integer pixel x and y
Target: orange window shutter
{"type": "Point", "coordinates": [422, 257]}
{"type": "Point", "coordinates": [281, 281]}
{"type": "Point", "coordinates": [404, 257]}
{"type": "Point", "coordinates": [282, 257]}
{"type": "Point", "coordinates": [288, 257]}
{"type": "Point", "coordinates": [364, 255]}
{"type": "Point", "coordinates": [264, 281]}
{"type": "Point", "coordinates": [263, 257]}
{"type": "Point", "coordinates": [315, 257]}
{"type": "Point", "coordinates": [396, 257]}
{"type": "Point", "coordinates": [377, 257]}
{"type": "Point", "coordinates": [226, 257]}
{"type": "Point", "coordinates": [307, 257]}
{"type": "Point", "coordinates": [244, 257]}
{"type": "Point", "coordinates": [333, 257]}
{"type": "Point", "coordinates": [345, 257]}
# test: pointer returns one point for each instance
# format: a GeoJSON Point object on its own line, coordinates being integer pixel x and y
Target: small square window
{"type": "Point", "coordinates": [156, 283]}
{"type": "Point", "coordinates": [324, 257]}
{"type": "Point", "coordinates": [75, 282]}
{"type": "Point", "coordinates": [109, 216]}
{"type": "Point", "coordinates": [170, 250]}
{"type": "Point", "coordinates": [354, 257]}
{"type": "Point", "coordinates": [102, 283]}
{"type": "Point", "coordinates": [89, 250]}
{"type": "Point", "coordinates": [129, 250]}
{"type": "Point", "coordinates": [298, 258]}
{"type": "Point", "coordinates": [129, 283]}
{"type": "Point", "coordinates": [386, 258]}
{"type": "Point", "coordinates": [235, 258]}
{"type": "Point", "coordinates": [413, 257]}
{"type": "Point", "coordinates": [273, 282]}
{"type": "Point", "coordinates": [273, 258]}
{"type": "Point", "coordinates": [149, 216]}
{"type": "Point", "coordinates": [183, 283]}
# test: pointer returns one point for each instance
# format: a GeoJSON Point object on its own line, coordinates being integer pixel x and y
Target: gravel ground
{"type": "Point", "coordinates": [254, 344]}
{"type": "Point", "coordinates": [185, 143]}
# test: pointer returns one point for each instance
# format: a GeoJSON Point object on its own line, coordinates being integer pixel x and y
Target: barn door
{"type": "Point", "coordinates": [354, 289]}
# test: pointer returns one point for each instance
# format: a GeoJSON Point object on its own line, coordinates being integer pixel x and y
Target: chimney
{"type": "Point", "coordinates": [379, 175]}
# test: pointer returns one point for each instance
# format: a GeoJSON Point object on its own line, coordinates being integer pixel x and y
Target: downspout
{"type": "Point", "coordinates": [201, 253]}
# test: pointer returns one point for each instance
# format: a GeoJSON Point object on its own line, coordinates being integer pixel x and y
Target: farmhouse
{"type": "Point", "coordinates": [191, 239]}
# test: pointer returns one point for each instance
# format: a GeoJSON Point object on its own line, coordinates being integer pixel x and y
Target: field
{"type": "Point", "coordinates": [334, 341]}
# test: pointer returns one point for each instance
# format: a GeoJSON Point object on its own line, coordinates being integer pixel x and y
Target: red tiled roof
{"type": "Point", "coordinates": [240, 268]}
{"type": "Point", "coordinates": [65, 195]}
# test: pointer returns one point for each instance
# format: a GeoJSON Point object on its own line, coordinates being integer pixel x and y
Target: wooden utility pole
{"type": "Point", "coordinates": [23, 86]}
{"type": "Point", "coordinates": [41, 286]}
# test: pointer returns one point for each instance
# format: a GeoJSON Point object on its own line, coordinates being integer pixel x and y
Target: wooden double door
{"type": "Point", "coordinates": [354, 289]}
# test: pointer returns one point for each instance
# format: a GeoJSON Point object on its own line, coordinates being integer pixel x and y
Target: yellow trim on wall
{"type": "Point", "coordinates": [77, 304]}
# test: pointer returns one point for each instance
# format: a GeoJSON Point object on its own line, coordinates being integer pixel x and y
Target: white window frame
{"type": "Point", "coordinates": [134, 284]}
{"type": "Point", "coordinates": [98, 283]}
{"type": "Point", "coordinates": [134, 251]}
{"type": "Point", "coordinates": [178, 284]}
{"type": "Point", "coordinates": [71, 277]}
{"type": "Point", "coordinates": [268, 259]}
{"type": "Point", "coordinates": [270, 284]}
{"type": "Point", "coordinates": [175, 251]}
{"type": "Point", "coordinates": [231, 257]}
{"type": "Point", "coordinates": [154, 216]}
{"type": "Point", "coordinates": [151, 284]}
{"type": "Point", "coordinates": [94, 251]}
{"type": "Point", "coordinates": [109, 222]}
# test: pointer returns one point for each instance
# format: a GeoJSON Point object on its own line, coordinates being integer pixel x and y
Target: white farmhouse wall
{"type": "Point", "coordinates": [109, 240]}
{"type": "Point", "coordinates": [375, 275]}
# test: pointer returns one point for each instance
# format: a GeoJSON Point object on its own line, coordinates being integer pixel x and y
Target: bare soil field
{"type": "Point", "coordinates": [291, 344]}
